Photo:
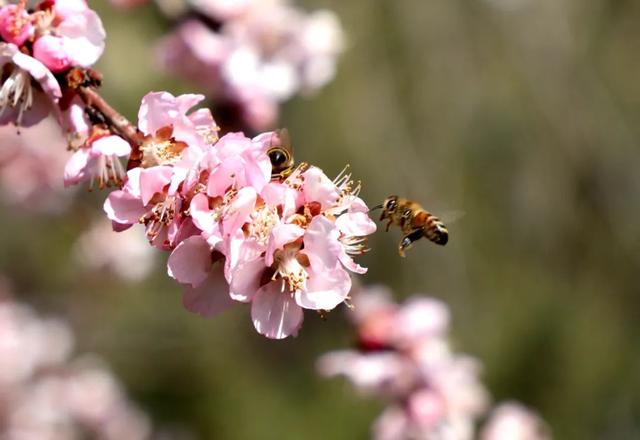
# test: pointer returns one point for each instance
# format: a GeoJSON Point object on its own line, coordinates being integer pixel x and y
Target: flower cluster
{"type": "Point", "coordinates": [46, 395]}
{"type": "Point", "coordinates": [251, 55]}
{"type": "Point", "coordinates": [235, 233]}
{"type": "Point", "coordinates": [403, 355]}
{"type": "Point", "coordinates": [37, 47]}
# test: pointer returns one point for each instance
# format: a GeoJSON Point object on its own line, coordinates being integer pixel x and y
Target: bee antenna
{"type": "Point", "coordinates": [376, 207]}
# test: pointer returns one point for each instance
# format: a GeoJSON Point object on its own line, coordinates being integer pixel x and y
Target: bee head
{"type": "Point", "coordinates": [389, 207]}
{"type": "Point", "coordinates": [391, 204]}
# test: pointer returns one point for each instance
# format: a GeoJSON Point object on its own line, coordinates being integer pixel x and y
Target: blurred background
{"type": "Point", "coordinates": [525, 114]}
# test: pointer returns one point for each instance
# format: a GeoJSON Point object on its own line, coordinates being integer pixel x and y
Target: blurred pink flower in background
{"type": "Point", "coordinates": [434, 393]}
{"type": "Point", "coordinates": [511, 420]}
{"type": "Point", "coordinates": [404, 357]}
{"type": "Point", "coordinates": [44, 394]}
{"type": "Point", "coordinates": [32, 165]}
{"type": "Point", "coordinates": [259, 55]}
{"type": "Point", "coordinates": [126, 255]}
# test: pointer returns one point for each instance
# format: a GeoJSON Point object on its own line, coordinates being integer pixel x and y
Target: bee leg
{"type": "Point", "coordinates": [389, 223]}
{"type": "Point", "coordinates": [408, 240]}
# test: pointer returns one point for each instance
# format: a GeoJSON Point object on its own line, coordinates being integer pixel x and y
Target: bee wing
{"type": "Point", "coordinates": [284, 139]}
{"type": "Point", "coordinates": [449, 217]}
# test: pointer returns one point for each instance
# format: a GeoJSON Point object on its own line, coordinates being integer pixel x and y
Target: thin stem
{"type": "Point", "coordinates": [116, 121]}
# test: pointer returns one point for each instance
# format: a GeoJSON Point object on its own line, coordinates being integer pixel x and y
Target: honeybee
{"type": "Point", "coordinates": [280, 154]}
{"type": "Point", "coordinates": [414, 221]}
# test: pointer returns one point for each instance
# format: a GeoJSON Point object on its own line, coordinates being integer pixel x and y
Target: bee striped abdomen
{"type": "Point", "coordinates": [436, 231]}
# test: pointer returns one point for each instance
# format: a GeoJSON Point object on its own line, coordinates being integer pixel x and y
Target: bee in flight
{"type": "Point", "coordinates": [280, 154]}
{"type": "Point", "coordinates": [414, 221]}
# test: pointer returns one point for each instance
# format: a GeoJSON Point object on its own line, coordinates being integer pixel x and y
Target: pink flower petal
{"type": "Point", "coordinates": [76, 166]}
{"type": "Point", "coordinates": [211, 297]}
{"type": "Point", "coordinates": [153, 180]}
{"type": "Point", "coordinates": [321, 243]}
{"type": "Point", "coordinates": [202, 118]}
{"type": "Point", "coordinates": [281, 234]}
{"type": "Point", "coordinates": [132, 185]}
{"type": "Point", "coordinates": [52, 52]}
{"type": "Point", "coordinates": [319, 188]}
{"type": "Point", "coordinates": [275, 314]}
{"type": "Point", "coordinates": [36, 69]}
{"type": "Point", "coordinates": [162, 109]}
{"type": "Point", "coordinates": [111, 145]}
{"type": "Point", "coordinates": [239, 210]}
{"type": "Point", "coordinates": [224, 176]}
{"type": "Point", "coordinates": [257, 168]}
{"type": "Point", "coordinates": [355, 224]}
{"type": "Point", "coordinates": [67, 8]}
{"type": "Point", "coordinates": [122, 207]}
{"type": "Point", "coordinates": [325, 289]}
{"type": "Point", "coordinates": [187, 101]}
{"type": "Point", "coordinates": [350, 264]}
{"type": "Point", "coordinates": [74, 119]}
{"type": "Point", "coordinates": [190, 262]}
{"type": "Point", "coordinates": [278, 194]}
{"type": "Point", "coordinates": [245, 279]}
{"type": "Point", "coordinates": [84, 37]}
{"type": "Point", "coordinates": [201, 214]}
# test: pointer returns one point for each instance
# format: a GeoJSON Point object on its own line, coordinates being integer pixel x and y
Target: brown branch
{"type": "Point", "coordinates": [116, 121]}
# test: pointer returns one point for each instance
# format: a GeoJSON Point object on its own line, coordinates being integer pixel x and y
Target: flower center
{"type": "Point", "coordinates": [160, 215]}
{"type": "Point", "coordinates": [108, 171]}
{"type": "Point", "coordinates": [289, 267]}
{"type": "Point", "coordinates": [165, 152]}
{"type": "Point", "coordinates": [263, 221]}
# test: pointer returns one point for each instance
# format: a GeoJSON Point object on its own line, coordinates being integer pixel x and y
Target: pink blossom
{"type": "Point", "coordinates": [29, 91]}
{"type": "Point", "coordinates": [75, 37]}
{"type": "Point", "coordinates": [97, 161]}
{"type": "Point", "coordinates": [172, 149]}
{"type": "Point", "coordinates": [15, 25]}
{"type": "Point", "coordinates": [235, 233]}
{"type": "Point", "coordinates": [303, 253]}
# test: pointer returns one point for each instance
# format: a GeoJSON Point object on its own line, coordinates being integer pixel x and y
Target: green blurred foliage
{"type": "Point", "coordinates": [526, 118]}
